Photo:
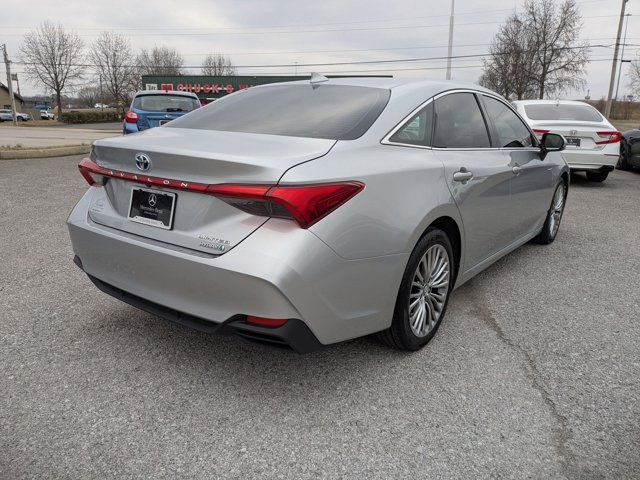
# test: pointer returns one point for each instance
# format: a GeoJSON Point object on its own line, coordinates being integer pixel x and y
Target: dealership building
{"type": "Point", "coordinates": [209, 89]}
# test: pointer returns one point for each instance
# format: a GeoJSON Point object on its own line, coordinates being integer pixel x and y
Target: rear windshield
{"type": "Point", "coordinates": [338, 112]}
{"type": "Point", "coordinates": [551, 111]}
{"type": "Point", "coordinates": [165, 103]}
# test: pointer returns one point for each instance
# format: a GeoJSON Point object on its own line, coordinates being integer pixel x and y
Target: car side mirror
{"type": "Point", "coordinates": [551, 142]}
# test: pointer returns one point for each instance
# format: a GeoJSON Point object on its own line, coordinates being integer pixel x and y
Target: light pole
{"type": "Point", "coordinates": [607, 109]}
{"type": "Point", "coordinates": [7, 64]}
{"type": "Point", "coordinates": [450, 49]}
{"type": "Point", "coordinates": [622, 60]}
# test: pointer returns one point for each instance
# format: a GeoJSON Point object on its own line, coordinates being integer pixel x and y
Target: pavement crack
{"type": "Point", "coordinates": [562, 431]}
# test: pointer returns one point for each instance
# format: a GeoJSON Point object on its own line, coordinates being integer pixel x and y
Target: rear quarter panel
{"type": "Point", "coordinates": [405, 191]}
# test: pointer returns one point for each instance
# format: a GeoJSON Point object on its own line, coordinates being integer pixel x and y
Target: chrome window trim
{"type": "Point", "coordinates": [386, 139]}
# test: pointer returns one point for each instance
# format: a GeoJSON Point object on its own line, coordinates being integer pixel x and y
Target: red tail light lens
{"type": "Point", "coordinates": [131, 117]}
{"type": "Point", "coordinates": [609, 137]}
{"type": "Point", "coordinates": [540, 131]}
{"type": "Point", "coordinates": [306, 204]}
{"type": "Point", "coordinates": [266, 322]}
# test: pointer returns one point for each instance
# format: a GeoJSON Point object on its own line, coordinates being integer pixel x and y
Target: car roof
{"type": "Point", "coordinates": [392, 83]}
{"type": "Point", "coordinates": [166, 92]}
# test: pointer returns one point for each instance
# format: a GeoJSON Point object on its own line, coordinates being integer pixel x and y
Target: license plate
{"type": "Point", "coordinates": [573, 141]}
{"type": "Point", "coordinates": [152, 207]}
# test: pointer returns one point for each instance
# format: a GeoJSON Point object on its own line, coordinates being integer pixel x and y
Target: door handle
{"type": "Point", "coordinates": [463, 175]}
{"type": "Point", "coordinates": [516, 170]}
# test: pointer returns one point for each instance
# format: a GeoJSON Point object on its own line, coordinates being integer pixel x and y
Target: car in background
{"type": "Point", "coordinates": [153, 108]}
{"type": "Point", "coordinates": [312, 212]}
{"type": "Point", "coordinates": [47, 115]}
{"type": "Point", "coordinates": [21, 117]}
{"type": "Point", "coordinates": [5, 116]}
{"type": "Point", "coordinates": [593, 144]}
{"type": "Point", "coordinates": [630, 150]}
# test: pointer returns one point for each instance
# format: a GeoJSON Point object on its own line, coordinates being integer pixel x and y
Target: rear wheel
{"type": "Point", "coordinates": [424, 293]}
{"type": "Point", "coordinates": [623, 162]}
{"type": "Point", "coordinates": [554, 215]}
{"type": "Point", "coordinates": [597, 176]}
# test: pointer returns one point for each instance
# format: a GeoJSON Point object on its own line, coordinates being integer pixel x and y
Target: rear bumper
{"type": "Point", "coordinates": [294, 334]}
{"type": "Point", "coordinates": [279, 271]}
{"type": "Point", "coordinates": [590, 160]}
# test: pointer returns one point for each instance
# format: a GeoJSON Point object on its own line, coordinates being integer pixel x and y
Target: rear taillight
{"type": "Point", "coordinates": [131, 117]}
{"type": "Point", "coordinates": [306, 204]}
{"type": "Point", "coordinates": [609, 137]}
{"type": "Point", "coordinates": [266, 322]}
{"type": "Point", "coordinates": [540, 131]}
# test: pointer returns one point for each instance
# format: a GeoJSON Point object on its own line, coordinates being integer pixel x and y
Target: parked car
{"type": "Point", "coordinates": [101, 105]}
{"type": "Point", "coordinates": [6, 116]}
{"type": "Point", "coordinates": [592, 142]}
{"type": "Point", "coordinates": [630, 150]}
{"type": "Point", "coordinates": [47, 115]}
{"type": "Point", "coordinates": [153, 108]}
{"type": "Point", "coordinates": [306, 214]}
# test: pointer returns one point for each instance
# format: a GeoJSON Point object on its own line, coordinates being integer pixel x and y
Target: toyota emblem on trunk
{"type": "Point", "coordinates": [143, 162]}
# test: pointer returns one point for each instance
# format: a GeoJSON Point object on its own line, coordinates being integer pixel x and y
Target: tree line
{"type": "Point", "coordinates": [60, 61]}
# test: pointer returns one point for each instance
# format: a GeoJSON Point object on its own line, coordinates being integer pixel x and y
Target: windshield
{"type": "Point", "coordinates": [337, 112]}
{"type": "Point", "coordinates": [552, 111]}
{"type": "Point", "coordinates": [165, 103]}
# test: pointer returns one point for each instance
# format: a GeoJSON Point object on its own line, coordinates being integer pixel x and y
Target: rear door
{"type": "Point", "coordinates": [531, 186]}
{"type": "Point", "coordinates": [478, 175]}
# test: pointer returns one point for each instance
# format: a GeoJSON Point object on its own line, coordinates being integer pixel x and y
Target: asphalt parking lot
{"type": "Point", "coordinates": [535, 372]}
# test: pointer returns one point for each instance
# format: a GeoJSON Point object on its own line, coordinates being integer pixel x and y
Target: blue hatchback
{"type": "Point", "coordinates": [152, 108]}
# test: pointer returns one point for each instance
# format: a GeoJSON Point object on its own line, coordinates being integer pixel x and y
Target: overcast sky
{"type": "Point", "coordinates": [255, 33]}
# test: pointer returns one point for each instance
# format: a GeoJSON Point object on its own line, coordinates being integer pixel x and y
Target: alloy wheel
{"type": "Point", "coordinates": [556, 210]}
{"type": "Point", "coordinates": [429, 290]}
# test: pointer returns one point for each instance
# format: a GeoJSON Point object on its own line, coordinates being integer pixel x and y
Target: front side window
{"type": "Point", "coordinates": [337, 112]}
{"type": "Point", "coordinates": [512, 133]}
{"type": "Point", "coordinates": [418, 130]}
{"type": "Point", "coordinates": [459, 122]}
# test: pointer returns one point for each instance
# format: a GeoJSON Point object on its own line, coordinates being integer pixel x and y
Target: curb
{"type": "Point", "coordinates": [44, 152]}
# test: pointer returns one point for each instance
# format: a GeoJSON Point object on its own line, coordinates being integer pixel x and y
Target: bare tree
{"type": "Point", "coordinates": [114, 61]}
{"type": "Point", "coordinates": [89, 95]}
{"type": "Point", "coordinates": [216, 64]}
{"type": "Point", "coordinates": [560, 56]}
{"type": "Point", "coordinates": [537, 52]}
{"type": "Point", "coordinates": [160, 61]}
{"type": "Point", "coordinates": [510, 70]}
{"type": "Point", "coordinates": [52, 57]}
{"type": "Point", "coordinates": [634, 77]}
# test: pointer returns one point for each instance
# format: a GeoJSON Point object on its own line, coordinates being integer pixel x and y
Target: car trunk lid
{"type": "Point", "coordinates": [179, 157]}
{"type": "Point", "coordinates": [579, 135]}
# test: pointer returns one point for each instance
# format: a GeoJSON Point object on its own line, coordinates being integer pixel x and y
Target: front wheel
{"type": "Point", "coordinates": [597, 176]}
{"type": "Point", "coordinates": [554, 215]}
{"type": "Point", "coordinates": [424, 293]}
{"type": "Point", "coordinates": [623, 162]}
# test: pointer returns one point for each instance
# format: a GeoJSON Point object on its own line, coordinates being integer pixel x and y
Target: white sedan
{"type": "Point", "coordinates": [593, 144]}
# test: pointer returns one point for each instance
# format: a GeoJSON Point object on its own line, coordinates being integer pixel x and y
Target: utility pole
{"type": "Point", "coordinates": [607, 109]}
{"type": "Point", "coordinates": [7, 65]}
{"type": "Point", "coordinates": [450, 49]}
{"type": "Point", "coordinates": [622, 60]}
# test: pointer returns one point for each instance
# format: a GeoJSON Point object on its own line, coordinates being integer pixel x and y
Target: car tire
{"type": "Point", "coordinates": [597, 176]}
{"type": "Point", "coordinates": [554, 215]}
{"type": "Point", "coordinates": [424, 293]}
{"type": "Point", "coordinates": [623, 163]}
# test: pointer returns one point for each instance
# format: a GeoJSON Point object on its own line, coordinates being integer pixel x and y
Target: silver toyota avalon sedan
{"type": "Point", "coordinates": [303, 214]}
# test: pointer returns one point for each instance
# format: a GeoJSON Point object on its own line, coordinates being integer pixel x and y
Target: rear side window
{"type": "Point", "coordinates": [459, 122]}
{"type": "Point", "coordinates": [553, 111]}
{"type": "Point", "coordinates": [165, 103]}
{"type": "Point", "coordinates": [418, 130]}
{"type": "Point", "coordinates": [512, 133]}
{"type": "Point", "coordinates": [337, 112]}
